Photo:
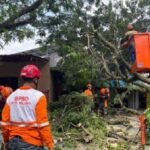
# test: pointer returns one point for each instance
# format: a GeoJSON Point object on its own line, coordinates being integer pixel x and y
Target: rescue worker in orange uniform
{"type": "Point", "coordinates": [88, 91]}
{"type": "Point", "coordinates": [2, 102]}
{"type": "Point", "coordinates": [24, 118]}
{"type": "Point", "coordinates": [105, 93]}
{"type": "Point", "coordinates": [4, 93]}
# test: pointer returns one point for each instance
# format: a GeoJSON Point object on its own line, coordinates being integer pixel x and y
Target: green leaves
{"type": "Point", "coordinates": [15, 17]}
{"type": "Point", "coordinates": [80, 45]}
{"type": "Point", "coordinates": [78, 67]}
{"type": "Point", "coordinates": [69, 24]}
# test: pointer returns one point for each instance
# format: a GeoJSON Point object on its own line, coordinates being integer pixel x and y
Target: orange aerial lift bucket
{"type": "Point", "coordinates": [142, 52]}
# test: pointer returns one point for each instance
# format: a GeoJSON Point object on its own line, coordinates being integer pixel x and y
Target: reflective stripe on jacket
{"type": "Point", "coordinates": [25, 115]}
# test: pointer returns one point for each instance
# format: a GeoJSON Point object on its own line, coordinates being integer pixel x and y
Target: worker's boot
{"type": "Point", "coordinates": [98, 112]}
{"type": "Point", "coordinates": [105, 111]}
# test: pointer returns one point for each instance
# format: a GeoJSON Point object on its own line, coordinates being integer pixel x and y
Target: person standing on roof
{"type": "Point", "coordinates": [5, 91]}
{"type": "Point", "coordinates": [24, 118]}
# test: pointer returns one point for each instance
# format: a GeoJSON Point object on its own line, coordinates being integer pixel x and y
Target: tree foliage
{"type": "Point", "coordinates": [94, 29]}
{"type": "Point", "coordinates": [21, 19]}
{"type": "Point", "coordinates": [14, 17]}
{"type": "Point", "coordinates": [88, 33]}
{"type": "Point", "coordinates": [70, 113]}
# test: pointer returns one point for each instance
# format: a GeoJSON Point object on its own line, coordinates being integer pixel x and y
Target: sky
{"type": "Point", "coordinates": [27, 44]}
{"type": "Point", "coordinates": [15, 47]}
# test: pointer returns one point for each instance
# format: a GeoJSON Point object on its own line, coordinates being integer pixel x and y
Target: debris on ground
{"type": "Point", "coordinates": [77, 127]}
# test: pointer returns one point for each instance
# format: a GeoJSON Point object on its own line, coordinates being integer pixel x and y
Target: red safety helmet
{"type": "Point", "coordinates": [130, 26]}
{"type": "Point", "coordinates": [6, 91]}
{"type": "Point", "coordinates": [30, 71]}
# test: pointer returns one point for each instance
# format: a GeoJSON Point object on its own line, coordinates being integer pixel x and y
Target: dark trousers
{"type": "Point", "coordinates": [17, 143]}
{"type": "Point", "coordinates": [132, 53]}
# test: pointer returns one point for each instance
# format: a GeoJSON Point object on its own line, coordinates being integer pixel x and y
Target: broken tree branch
{"type": "Point", "coordinates": [116, 122]}
{"type": "Point", "coordinates": [20, 23]}
{"type": "Point", "coordinates": [89, 42]}
{"type": "Point", "coordinates": [111, 46]}
{"type": "Point", "coordinates": [131, 111]}
{"type": "Point", "coordinates": [115, 135]}
{"type": "Point", "coordinates": [88, 137]}
{"type": "Point", "coordinates": [142, 78]}
{"type": "Point", "coordinates": [118, 55]}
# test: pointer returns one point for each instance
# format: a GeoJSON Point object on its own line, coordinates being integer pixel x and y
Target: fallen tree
{"type": "Point", "coordinates": [73, 121]}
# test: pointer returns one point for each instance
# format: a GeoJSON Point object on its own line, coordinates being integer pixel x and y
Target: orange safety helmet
{"type": "Point", "coordinates": [130, 26]}
{"type": "Point", "coordinates": [6, 91]}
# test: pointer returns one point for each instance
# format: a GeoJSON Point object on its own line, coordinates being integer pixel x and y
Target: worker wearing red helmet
{"type": "Point", "coordinates": [25, 113]}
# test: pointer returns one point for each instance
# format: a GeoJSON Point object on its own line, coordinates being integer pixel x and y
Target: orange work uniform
{"type": "Point", "coordinates": [105, 93]}
{"type": "Point", "coordinates": [25, 115]}
{"type": "Point", "coordinates": [88, 92]}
